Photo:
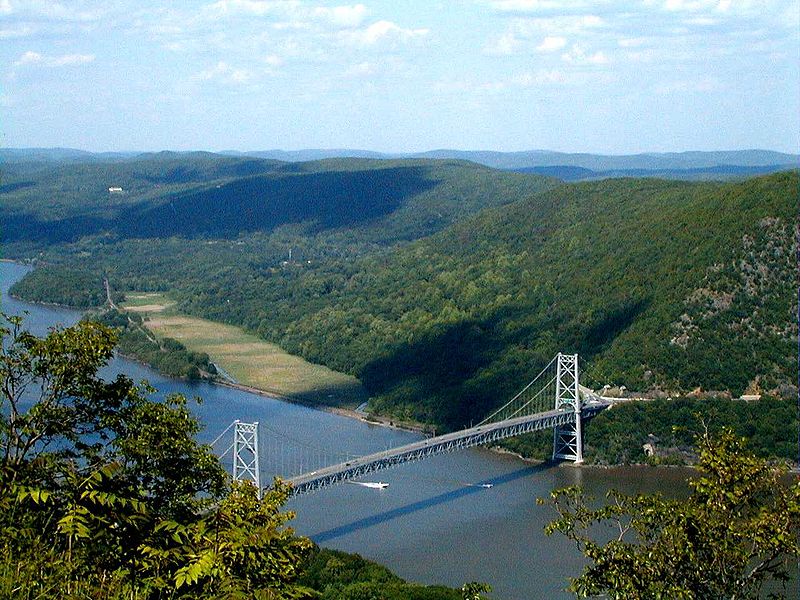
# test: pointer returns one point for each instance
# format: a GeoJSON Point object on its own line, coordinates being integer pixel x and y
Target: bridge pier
{"type": "Point", "coordinates": [568, 438]}
{"type": "Point", "coordinates": [245, 454]}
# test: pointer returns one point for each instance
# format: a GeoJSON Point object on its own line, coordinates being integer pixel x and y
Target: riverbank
{"type": "Point", "coordinates": [256, 366]}
{"type": "Point", "coordinates": [335, 410]}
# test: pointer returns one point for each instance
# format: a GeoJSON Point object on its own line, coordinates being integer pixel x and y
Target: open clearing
{"type": "Point", "coordinates": [250, 360]}
{"type": "Point", "coordinates": [146, 302]}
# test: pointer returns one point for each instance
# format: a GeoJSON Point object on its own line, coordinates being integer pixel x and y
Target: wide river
{"type": "Point", "coordinates": [433, 524]}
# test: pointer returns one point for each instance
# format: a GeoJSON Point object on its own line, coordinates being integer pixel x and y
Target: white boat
{"type": "Point", "coordinates": [375, 485]}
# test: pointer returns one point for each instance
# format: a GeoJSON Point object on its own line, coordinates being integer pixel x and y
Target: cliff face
{"type": "Point", "coordinates": [754, 298]}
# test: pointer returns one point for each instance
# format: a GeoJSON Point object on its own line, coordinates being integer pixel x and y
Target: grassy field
{"type": "Point", "coordinates": [248, 359]}
{"type": "Point", "coordinates": [147, 302]}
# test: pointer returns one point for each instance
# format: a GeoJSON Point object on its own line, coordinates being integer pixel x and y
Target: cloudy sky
{"type": "Point", "coordinates": [401, 75]}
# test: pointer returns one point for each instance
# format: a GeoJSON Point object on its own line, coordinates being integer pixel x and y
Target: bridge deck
{"type": "Point", "coordinates": [449, 442]}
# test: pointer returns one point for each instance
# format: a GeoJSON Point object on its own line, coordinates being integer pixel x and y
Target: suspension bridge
{"type": "Point", "coordinates": [554, 399]}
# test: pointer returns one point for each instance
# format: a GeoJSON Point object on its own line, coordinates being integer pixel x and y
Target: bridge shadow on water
{"type": "Point", "coordinates": [400, 511]}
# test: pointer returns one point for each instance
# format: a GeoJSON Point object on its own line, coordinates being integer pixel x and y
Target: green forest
{"type": "Point", "coordinates": [443, 285]}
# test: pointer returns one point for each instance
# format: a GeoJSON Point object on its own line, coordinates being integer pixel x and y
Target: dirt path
{"type": "Point", "coordinates": [108, 294]}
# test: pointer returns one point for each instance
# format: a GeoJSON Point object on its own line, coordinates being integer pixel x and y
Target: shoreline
{"type": "Point", "coordinates": [80, 309]}
{"type": "Point", "coordinates": [377, 420]}
{"type": "Point", "coordinates": [336, 410]}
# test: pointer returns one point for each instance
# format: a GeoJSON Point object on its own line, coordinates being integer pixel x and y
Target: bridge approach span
{"type": "Point", "coordinates": [449, 442]}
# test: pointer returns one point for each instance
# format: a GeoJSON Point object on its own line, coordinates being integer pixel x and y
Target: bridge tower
{"type": "Point", "coordinates": [568, 439]}
{"type": "Point", "coordinates": [245, 453]}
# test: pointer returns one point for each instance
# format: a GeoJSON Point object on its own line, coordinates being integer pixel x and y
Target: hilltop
{"type": "Point", "coordinates": [202, 194]}
{"type": "Point", "coordinates": [715, 165]}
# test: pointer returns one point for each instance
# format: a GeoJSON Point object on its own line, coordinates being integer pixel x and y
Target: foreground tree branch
{"type": "Point", "coordinates": [738, 529]}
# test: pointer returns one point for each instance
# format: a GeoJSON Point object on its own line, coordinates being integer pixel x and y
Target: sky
{"type": "Point", "coordinates": [602, 76]}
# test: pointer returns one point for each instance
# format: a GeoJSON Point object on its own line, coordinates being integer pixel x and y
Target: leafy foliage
{"type": "Point", "coordinates": [735, 533]}
{"type": "Point", "coordinates": [77, 287]}
{"type": "Point", "coordinates": [340, 576]}
{"type": "Point", "coordinates": [105, 494]}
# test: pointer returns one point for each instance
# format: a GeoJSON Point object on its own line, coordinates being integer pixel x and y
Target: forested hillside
{"type": "Point", "coordinates": [444, 285]}
{"type": "Point", "coordinates": [213, 196]}
{"type": "Point", "coordinates": [618, 271]}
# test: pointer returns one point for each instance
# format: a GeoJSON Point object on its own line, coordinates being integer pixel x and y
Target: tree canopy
{"type": "Point", "coordinates": [737, 535]}
{"type": "Point", "coordinates": [106, 494]}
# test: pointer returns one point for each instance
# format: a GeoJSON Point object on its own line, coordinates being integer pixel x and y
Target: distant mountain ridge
{"type": "Point", "coordinates": [200, 194]}
{"type": "Point", "coordinates": [718, 172]}
{"type": "Point", "coordinates": [603, 162]}
{"type": "Point", "coordinates": [723, 162]}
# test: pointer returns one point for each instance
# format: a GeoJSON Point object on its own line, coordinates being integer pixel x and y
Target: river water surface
{"type": "Point", "coordinates": [434, 523]}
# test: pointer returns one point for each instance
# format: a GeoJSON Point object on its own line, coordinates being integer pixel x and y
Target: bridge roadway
{"type": "Point", "coordinates": [449, 442]}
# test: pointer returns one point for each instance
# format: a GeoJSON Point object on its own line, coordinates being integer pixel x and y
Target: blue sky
{"type": "Point", "coordinates": [570, 75]}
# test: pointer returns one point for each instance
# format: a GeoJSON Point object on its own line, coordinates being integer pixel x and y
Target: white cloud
{"type": "Point", "coordinates": [689, 5]}
{"type": "Point", "coordinates": [633, 42]}
{"type": "Point", "coordinates": [791, 16]}
{"type": "Point", "coordinates": [16, 32]}
{"type": "Point", "coordinates": [523, 6]}
{"type": "Point", "coordinates": [578, 55]}
{"type": "Point", "coordinates": [34, 58]}
{"type": "Point", "coordinates": [529, 79]}
{"type": "Point", "coordinates": [542, 77]}
{"type": "Point", "coordinates": [361, 70]}
{"type": "Point", "coordinates": [561, 25]}
{"type": "Point", "coordinates": [273, 60]}
{"type": "Point", "coordinates": [505, 45]}
{"type": "Point", "coordinates": [258, 8]}
{"type": "Point", "coordinates": [684, 86]}
{"type": "Point", "coordinates": [5, 7]}
{"type": "Point", "coordinates": [709, 5]}
{"type": "Point", "coordinates": [28, 58]}
{"type": "Point", "coordinates": [56, 11]}
{"type": "Point", "coordinates": [552, 43]}
{"type": "Point", "coordinates": [342, 16]}
{"type": "Point", "coordinates": [224, 73]}
{"type": "Point", "coordinates": [384, 30]}
{"type": "Point", "coordinates": [643, 56]}
{"type": "Point", "coordinates": [527, 33]}
{"type": "Point", "coordinates": [71, 59]}
{"type": "Point", "coordinates": [701, 21]}
{"type": "Point", "coordinates": [295, 14]}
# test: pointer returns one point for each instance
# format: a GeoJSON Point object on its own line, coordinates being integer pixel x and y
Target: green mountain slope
{"type": "Point", "coordinates": [621, 271]}
{"type": "Point", "coordinates": [206, 195]}
{"type": "Point", "coordinates": [46, 202]}
{"type": "Point", "coordinates": [659, 285]}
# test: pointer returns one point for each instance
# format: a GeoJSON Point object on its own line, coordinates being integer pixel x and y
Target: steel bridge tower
{"type": "Point", "coordinates": [568, 438]}
{"type": "Point", "coordinates": [245, 454]}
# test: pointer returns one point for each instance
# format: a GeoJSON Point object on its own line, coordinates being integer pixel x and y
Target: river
{"type": "Point", "coordinates": [433, 524]}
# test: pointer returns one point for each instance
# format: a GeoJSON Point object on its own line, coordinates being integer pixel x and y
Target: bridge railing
{"type": "Point", "coordinates": [480, 435]}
